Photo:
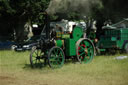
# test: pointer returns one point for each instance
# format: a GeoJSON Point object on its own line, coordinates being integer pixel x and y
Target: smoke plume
{"type": "Point", "coordinates": [63, 6]}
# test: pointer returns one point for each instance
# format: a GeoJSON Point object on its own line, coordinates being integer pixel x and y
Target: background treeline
{"type": "Point", "coordinates": [16, 14]}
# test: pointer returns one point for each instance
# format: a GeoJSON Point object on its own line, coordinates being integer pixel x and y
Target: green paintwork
{"type": "Point", "coordinates": [65, 36]}
{"type": "Point", "coordinates": [56, 57]}
{"type": "Point", "coordinates": [59, 43]}
{"type": "Point", "coordinates": [102, 49]}
{"type": "Point", "coordinates": [77, 33]}
{"type": "Point", "coordinates": [70, 43]}
{"type": "Point", "coordinates": [113, 38]}
{"type": "Point", "coordinates": [70, 47]}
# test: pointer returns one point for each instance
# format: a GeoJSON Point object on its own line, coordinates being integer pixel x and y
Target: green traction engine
{"type": "Point", "coordinates": [59, 45]}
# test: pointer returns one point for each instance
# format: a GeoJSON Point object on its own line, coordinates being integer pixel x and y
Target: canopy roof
{"type": "Point", "coordinates": [120, 25]}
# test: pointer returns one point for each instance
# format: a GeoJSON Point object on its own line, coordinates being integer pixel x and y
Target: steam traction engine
{"type": "Point", "coordinates": [60, 45]}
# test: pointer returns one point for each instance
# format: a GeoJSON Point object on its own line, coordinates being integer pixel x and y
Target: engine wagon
{"type": "Point", "coordinates": [115, 37]}
{"type": "Point", "coordinates": [59, 45]}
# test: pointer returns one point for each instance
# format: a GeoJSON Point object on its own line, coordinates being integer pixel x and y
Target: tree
{"type": "Point", "coordinates": [16, 13]}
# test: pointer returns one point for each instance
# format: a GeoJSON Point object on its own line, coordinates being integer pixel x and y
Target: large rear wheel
{"type": "Point", "coordinates": [85, 50]}
{"type": "Point", "coordinates": [56, 57]}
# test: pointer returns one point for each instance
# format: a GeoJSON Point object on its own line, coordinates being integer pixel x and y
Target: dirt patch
{"type": "Point", "coordinates": [6, 78]}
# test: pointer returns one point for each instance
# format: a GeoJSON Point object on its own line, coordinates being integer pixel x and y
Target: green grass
{"type": "Point", "coordinates": [103, 70]}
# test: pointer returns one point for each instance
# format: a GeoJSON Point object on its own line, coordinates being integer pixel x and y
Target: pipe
{"type": "Point", "coordinates": [47, 22]}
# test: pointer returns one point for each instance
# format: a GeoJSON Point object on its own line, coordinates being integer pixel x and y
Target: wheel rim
{"type": "Point", "coordinates": [126, 47]}
{"type": "Point", "coordinates": [36, 58]}
{"type": "Point", "coordinates": [85, 51]}
{"type": "Point", "coordinates": [56, 57]}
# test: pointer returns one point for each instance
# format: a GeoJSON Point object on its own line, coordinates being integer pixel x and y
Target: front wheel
{"type": "Point", "coordinates": [36, 57]}
{"type": "Point", "coordinates": [56, 57]}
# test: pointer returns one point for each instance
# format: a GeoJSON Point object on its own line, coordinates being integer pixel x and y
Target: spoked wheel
{"type": "Point", "coordinates": [84, 50]}
{"type": "Point", "coordinates": [36, 57]}
{"type": "Point", "coordinates": [56, 57]}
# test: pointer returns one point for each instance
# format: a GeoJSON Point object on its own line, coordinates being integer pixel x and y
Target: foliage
{"type": "Point", "coordinates": [73, 15]}
{"type": "Point", "coordinates": [13, 13]}
{"type": "Point", "coordinates": [115, 10]}
{"type": "Point", "coordinates": [17, 12]}
{"type": "Point", "coordinates": [31, 9]}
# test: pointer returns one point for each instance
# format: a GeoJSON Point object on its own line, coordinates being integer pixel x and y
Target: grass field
{"type": "Point", "coordinates": [103, 70]}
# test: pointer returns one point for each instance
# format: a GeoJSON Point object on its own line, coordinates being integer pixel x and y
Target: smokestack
{"type": "Point", "coordinates": [47, 22]}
